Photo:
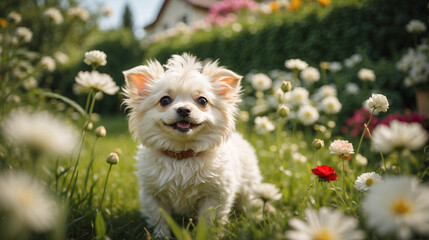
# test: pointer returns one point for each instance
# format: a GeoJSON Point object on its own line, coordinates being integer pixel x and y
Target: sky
{"type": "Point", "coordinates": [143, 11]}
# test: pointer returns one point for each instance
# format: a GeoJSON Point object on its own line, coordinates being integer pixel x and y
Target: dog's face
{"type": "Point", "coordinates": [185, 106]}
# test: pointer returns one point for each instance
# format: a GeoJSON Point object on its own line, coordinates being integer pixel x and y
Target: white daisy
{"type": "Point", "coordinates": [308, 114]}
{"type": "Point", "coordinates": [352, 88]}
{"type": "Point", "coordinates": [366, 75]}
{"type": "Point", "coordinates": [298, 96]}
{"type": "Point", "coordinates": [24, 34]}
{"type": "Point", "coordinates": [55, 15]}
{"type": "Point", "coordinates": [268, 192]}
{"type": "Point", "coordinates": [326, 224]}
{"type": "Point", "coordinates": [263, 125]}
{"type": "Point", "coordinates": [366, 180]}
{"type": "Point", "coordinates": [400, 135]}
{"type": "Point", "coordinates": [296, 64]}
{"type": "Point", "coordinates": [48, 63]}
{"type": "Point", "coordinates": [299, 158]}
{"type": "Point", "coordinates": [97, 81]}
{"type": "Point", "coordinates": [398, 206]}
{"type": "Point", "coordinates": [335, 67]}
{"type": "Point", "coordinates": [61, 57]}
{"type": "Point", "coordinates": [378, 102]}
{"type": "Point", "coordinates": [40, 131]}
{"type": "Point", "coordinates": [15, 17]}
{"type": "Point", "coordinates": [95, 57]}
{"type": "Point", "coordinates": [415, 26]}
{"type": "Point", "coordinates": [331, 105]}
{"type": "Point", "coordinates": [310, 75]}
{"type": "Point", "coordinates": [79, 13]}
{"type": "Point", "coordinates": [341, 147]}
{"type": "Point", "coordinates": [261, 82]}
{"type": "Point", "coordinates": [323, 92]}
{"type": "Point", "coordinates": [361, 160]}
{"type": "Point", "coordinates": [26, 203]}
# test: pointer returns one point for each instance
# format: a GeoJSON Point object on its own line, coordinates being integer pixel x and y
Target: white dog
{"type": "Point", "coordinates": [191, 160]}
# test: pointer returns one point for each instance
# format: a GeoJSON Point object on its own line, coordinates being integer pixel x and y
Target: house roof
{"type": "Point", "coordinates": [202, 4]}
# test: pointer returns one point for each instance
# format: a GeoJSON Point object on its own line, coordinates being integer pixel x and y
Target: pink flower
{"type": "Point", "coordinates": [342, 148]}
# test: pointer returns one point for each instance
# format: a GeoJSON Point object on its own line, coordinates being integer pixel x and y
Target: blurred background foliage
{"type": "Point", "coordinates": [375, 29]}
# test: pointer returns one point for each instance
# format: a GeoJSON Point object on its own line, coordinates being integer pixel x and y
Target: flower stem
{"type": "Point", "coordinates": [361, 137]}
{"type": "Point", "coordinates": [88, 170]}
{"type": "Point", "coordinates": [278, 137]}
{"type": "Point", "coordinates": [91, 95]}
{"type": "Point", "coordinates": [105, 186]}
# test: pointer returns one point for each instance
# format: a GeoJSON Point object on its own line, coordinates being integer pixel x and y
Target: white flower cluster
{"type": "Point", "coordinates": [54, 15]}
{"type": "Point", "coordinates": [341, 147]}
{"type": "Point", "coordinates": [24, 34]}
{"type": "Point", "coordinates": [310, 75]}
{"type": "Point", "coordinates": [415, 26]}
{"type": "Point", "coordinates": [261, 82]}
{"type": "Point", "coordinates": [335, 67]}
{"type": "Point", "coordinates": [353, 60]}
{"type": "Point", "coordinates": [79, 13]}
{"type": "Point", "coordinates": [366, 75]}
{"type": "Point", "coordinates": [378, 102]}
{"type": "Point", "coordinates": [416, 63]}
{"type": "Point", "coordinates": [324, 224]}
{"type": "Point", "coordinates": [14, 17]}
{"type": "Point", "coordinates": [398, 136]}
{"type": "Point", "coordinates": [97, 81]}
{"type": "Point", "coordinates": [48, 63]}
{"type": "Point", "coordinates": [40, 131]}
{"type": "Point", "coordinates": [263, 125]}
{"type": "Point", "coordinates": [296, 64]}
{"type": "Point", "coordinates": [26, 204]}
{"type": "Point", "coordinates": [95, 57]}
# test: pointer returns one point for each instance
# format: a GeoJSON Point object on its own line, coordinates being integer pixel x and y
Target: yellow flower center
{"type": "Point", "coordinates": [324, 234]}
{"type": "Point", "coordinates": [26, 198]}
{"type": "Point", "coordinates": [369, 181]}
{"type": "Point", "coordinates": [401, 207]}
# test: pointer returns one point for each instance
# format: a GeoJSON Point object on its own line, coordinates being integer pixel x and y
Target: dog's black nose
{"type": "Point", "coordinates": [183, 112]}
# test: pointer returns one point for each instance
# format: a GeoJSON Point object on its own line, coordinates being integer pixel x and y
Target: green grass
{"type": "Point", "coordinates": [298, 185]}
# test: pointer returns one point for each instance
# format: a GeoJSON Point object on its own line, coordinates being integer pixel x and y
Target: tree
{"type": "Point", "coordinates": [127, 18]}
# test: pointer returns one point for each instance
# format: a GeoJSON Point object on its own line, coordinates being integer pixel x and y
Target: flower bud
{"type": "Point", "coordinates": [89, 126]}
{"type": "Point", "coordinates": [112, 158]}
{"type": "Point", "coordinates": [283, 111]}
{"type": "Point", "coordinates": [100, 131]}
{"type": "Point", "coordinates": [324, 65]}
{"type": "Point", "coordinates": [286, 86]}
{"type": "Point", "coordinates": [318, 144]}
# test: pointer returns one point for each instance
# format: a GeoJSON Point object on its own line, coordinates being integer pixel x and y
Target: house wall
{"type": "Point", "coordinates": [174, 12]}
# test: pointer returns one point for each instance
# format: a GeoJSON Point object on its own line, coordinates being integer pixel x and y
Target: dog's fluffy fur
{"type": "Point", "coordinates": [223, 166]}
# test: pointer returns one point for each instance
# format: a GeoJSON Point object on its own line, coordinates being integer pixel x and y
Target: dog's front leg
{"type": "Point", "coordinates": [213, 208]}
{"type": "Point", "coordinates": [151, 210]}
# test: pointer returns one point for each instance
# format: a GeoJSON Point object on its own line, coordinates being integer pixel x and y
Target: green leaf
{"type": "Point", "coordinates": [66, 100]}
{"type": "Point", "coordinates": [100, 226]}
{"type": "Point", "coordinates": [180, 233]}
{"type": "Point", "coordinates": [201, 229]}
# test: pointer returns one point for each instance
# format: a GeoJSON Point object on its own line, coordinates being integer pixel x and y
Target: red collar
{"type": "Point", "coordinates": [179, 155]}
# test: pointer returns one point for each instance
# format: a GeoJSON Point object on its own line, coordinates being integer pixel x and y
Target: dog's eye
{"type": "Point", "coordinates": [165, 101]}
{"type": "Point", "coordinates": [202, 101]}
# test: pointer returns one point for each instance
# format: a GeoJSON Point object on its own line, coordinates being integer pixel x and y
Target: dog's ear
{"type": "Point", "coordinates": [229, 82]}
{"type": "Point", "coordinates": [226, 82]}
{"type": "Point", "coordinates": [140, 79]}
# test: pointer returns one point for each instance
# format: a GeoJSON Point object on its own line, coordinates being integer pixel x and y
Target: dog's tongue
{"type": "Point", "coordinates": [183, 124]}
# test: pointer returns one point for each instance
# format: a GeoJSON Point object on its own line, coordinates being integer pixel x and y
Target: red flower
{"type": "Point", "coordinates": [325, 173]}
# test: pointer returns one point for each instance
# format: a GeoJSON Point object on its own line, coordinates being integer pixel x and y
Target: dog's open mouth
{"type": "Point", "coordinates": [183, 126]}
